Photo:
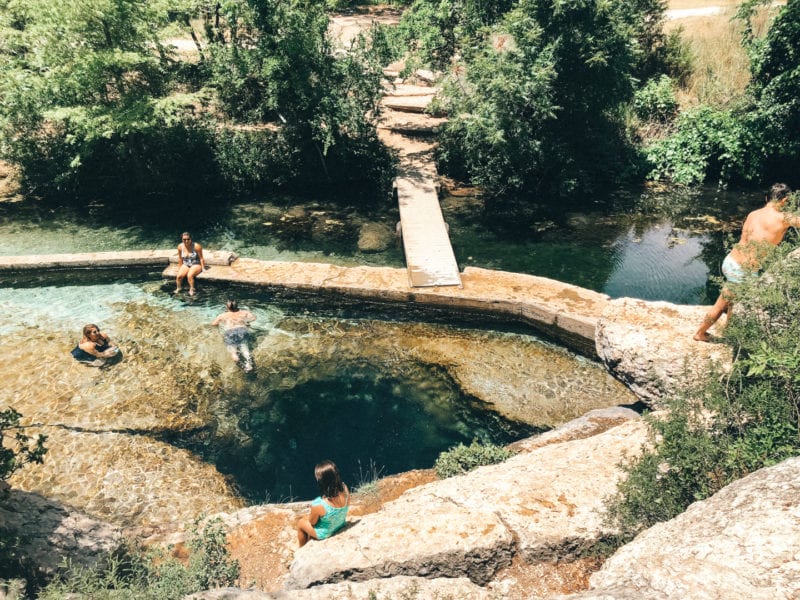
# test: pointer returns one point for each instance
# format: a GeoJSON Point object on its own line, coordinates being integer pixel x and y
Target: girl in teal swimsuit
{"type": "Point", "coordinates": [329, 509]}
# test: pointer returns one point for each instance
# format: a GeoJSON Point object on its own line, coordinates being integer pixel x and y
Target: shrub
{"type": "Point", "coordinates": [16, 447]}
{"type": "Point", "coordinates": [740, 422]}
{"type": "Point", "coordinates": [139, 574]}
{"type": "Point", "coordinates": [707, 143]}
{"type": "Point", "coordinates": [655, 100]}
{"type": "Point", "coordinates": [462, 459]}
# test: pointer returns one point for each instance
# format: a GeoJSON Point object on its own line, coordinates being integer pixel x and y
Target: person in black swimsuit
{"type": "Point", "coordinates": [95, 348]}
{"type": "Point", "coordinates": [190, 262]}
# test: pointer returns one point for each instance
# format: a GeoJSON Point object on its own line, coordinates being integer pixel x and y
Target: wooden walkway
{"type": "Point", "coordinates": [430, 259]}
{"type": "Point", "coordinates": [429, 256]}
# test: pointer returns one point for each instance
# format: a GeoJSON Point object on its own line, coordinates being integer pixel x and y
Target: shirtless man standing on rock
{"type": "Point", "coordinates": [762, 229]}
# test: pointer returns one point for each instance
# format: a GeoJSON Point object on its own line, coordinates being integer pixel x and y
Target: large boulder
{"type": "Point", "coordinates": [46, 532]}
{"type": "Point", "coordinates": [544, 505]}
{"type": "Point", "coordinates": [743, 542]}
{"type": "Point", "coordinates": [649, 347]}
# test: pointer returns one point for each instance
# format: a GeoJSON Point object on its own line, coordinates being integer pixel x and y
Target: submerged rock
{"type": "Point", "coordinates": [43, 533]}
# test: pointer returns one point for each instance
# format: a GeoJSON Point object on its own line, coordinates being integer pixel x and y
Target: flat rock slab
{"type": "Point", "coordinates": [406, 90]}
{"type": "Point", "coordinates": [649, 347]}
{"type": "Point", "coordinates": [433, 538]}
{"type": "Point", "coordinates": [418, 104]}
{"type": "Point", "coordinates": [100, 260]}
{"type": "Point", "coordinates": [743, 542]}
{"type": "Point", "coordinates": [399, 588]}
{"type": "Point", "coordinates": [545, 504]}
{"type": "Point", "coordinates": [41, 262]}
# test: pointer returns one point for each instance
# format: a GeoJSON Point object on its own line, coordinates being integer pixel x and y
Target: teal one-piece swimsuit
{"type": "Point", "coordinates": [333, 519]}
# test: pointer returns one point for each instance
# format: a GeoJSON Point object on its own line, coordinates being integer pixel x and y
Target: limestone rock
{"type": "Point", "coordinates": [411, 588]}
{"type": "Point", "coordinates": [128, 480]}
{"type": "Point", "coordinates": [649, 347]}
{"type": "Point", "coordinates": [428, 537]}
{"type": "Point", "coordinates": [743, 542]}
{"type": "Point", "coordinates": [592, 423]}
{"type": "Point", "coordinates": [374, 237]}
{"type": "Point", "coordinates": [49, 532]}
{"type": "Point", "coordinates": [544, 504]}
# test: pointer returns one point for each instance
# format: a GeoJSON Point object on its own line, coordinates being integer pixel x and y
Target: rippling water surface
{"type": "Point", "coordinates": [650, 246]}
{"type": "Point", "coordinates": [376, 395]}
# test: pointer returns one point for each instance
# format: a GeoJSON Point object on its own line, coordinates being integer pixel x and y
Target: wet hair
{"type": "Point", "coordinates": [88, 327]}
{"type": "Point", "coordinates": [232, 305]}
{"type": "Point", "coordinates": [328, 479]}
{"type": "Point", "coordinates": [778, 192]}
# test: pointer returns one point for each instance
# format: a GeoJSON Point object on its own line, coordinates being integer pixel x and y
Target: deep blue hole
{"type": "Point", "coordinates": [367, 422]}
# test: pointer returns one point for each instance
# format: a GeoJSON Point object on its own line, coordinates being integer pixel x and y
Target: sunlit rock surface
{"type": "Point", "coordinates": [395, 587]}
{"type": "Point", "coordinates": [545, 505]}
{"type": "Point", "coordinates": [743, 542]}
{"type": "Point", "coordinates": [649, 347]}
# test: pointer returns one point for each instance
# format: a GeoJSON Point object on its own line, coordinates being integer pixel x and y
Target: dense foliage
{"type": "Point", "coordinates": [756, 141]}
{"type": "Point", "coordinates": [94, 103]}
{"type": "Point", "coordinates": [535, 109]}
{"type": "Point", "coordinates": [742, 421]}
{"type": "Point", "coordinates": [141, 574]}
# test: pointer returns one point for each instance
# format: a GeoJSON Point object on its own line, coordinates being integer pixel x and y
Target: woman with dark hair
{"type": "Point", "coordinates": [95, 348]}
{"type": "Point", "coordinates": [329, 509]}
{"type": "Point", "coordinates": [190, 262]}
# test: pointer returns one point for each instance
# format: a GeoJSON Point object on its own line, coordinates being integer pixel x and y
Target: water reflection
{"type": "Point", "coordinates": [655, 246]}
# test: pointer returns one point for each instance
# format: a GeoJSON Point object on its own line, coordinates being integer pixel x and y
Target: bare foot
{"type": "Point", "coordinates": [701, 337]}
{"type": "Point", "coordinates": [177, 291]}
{"type": "Point", "coordinates": [191, 291]}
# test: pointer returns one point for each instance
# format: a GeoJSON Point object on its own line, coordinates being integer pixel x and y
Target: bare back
{"type": "Point", "coordinates": [762, 229]}
{"type": "Point", "coordinates": [233, 319]}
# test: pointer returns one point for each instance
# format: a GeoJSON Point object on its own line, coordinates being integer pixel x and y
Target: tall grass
{"type": "Point", "coordinates": [721, 66]}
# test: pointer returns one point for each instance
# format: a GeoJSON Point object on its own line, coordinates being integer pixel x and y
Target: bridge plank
{"type": "Point", "coordinates": [429, 256]}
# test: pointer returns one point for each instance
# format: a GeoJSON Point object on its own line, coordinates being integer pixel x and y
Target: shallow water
{"type": "Point", "coordinates": [377, 396]}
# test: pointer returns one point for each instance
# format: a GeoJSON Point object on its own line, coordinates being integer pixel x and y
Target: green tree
{"type": "Point", "coordinates": [84, 105]}
{"type": "Point", "coordinates": [775, 67]}
{"type": "Point", "coordinates": [281, 67]}
{"type": "Point", "coordinates": [534, 111]}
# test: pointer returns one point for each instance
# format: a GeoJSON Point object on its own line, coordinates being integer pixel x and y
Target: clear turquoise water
{"type": "Point", "coordinates": [298, 407]}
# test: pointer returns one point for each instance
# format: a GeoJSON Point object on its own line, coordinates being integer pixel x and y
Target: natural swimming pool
{"type": "Point", "coordinates": [378, 392]}
{"type": "Point", "coordinates": [416, 387]}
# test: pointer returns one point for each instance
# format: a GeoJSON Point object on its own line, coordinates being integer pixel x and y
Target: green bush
{"type": "Point", "coordinates": [16, 447]}
{"type": "Point", "coordinates": [655, 100]}
{"type": "Point", "coordinates": [707, 143]}
{"type": "Point", "coordinates": [139, 574]}
{"type": "Point", "coordinates": [461, 459]}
